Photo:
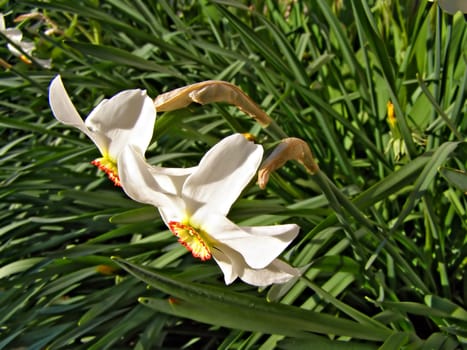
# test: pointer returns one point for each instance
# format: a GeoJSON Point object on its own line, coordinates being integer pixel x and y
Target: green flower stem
{"type": "Point", "coordinates": [276, 131]}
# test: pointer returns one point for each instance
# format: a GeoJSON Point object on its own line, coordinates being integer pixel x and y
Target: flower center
{"type": "Point", "coordinates": [109, 167]}
{"type": "Point", "coordinates": [192, 239]}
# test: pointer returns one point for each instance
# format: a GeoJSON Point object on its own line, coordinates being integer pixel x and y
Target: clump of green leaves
{"type": "Point", "coordinates": [383, 224]}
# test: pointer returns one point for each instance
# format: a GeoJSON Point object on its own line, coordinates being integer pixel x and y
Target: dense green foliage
{"type": "Point", "coordinates": [383, 225]}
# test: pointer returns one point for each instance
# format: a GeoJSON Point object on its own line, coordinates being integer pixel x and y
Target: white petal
{"type": "Point", "coordinates": [228, 263]}
{"type": "Point", "coordinates": [14, 34]}
{"type": "Point", "coordinates": [65, 112]}
{"type": "Point", "coordinates": [140, 184]}
{"type": "Point", "coordinates": [286, 233]}
{"type": "Point", "coordinates": [27, 46]}
{"type": "Point", "coordinates": [126, 118]}
{"type": "Point", "coordinates": [2, 22]}
{"type": "Point", "coordinates": [223, 173]}
{"type": "Point", "coordinates": [171, 179]}
{"type": "Point", "coordinates": [276, 272]}
{"type": "Point", "coordinates": [14, 50]}
{"type": "Point", "coordinates": [44, 62]}
{"type": "Point", "coordinates": [258, 249]}
{"type": "Point", "coordinates": [233, 266]}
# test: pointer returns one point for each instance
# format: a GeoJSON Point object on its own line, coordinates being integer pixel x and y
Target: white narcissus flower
{"type": "Point", "coordinates": [127, 118]}
{"type": "Point", "coordinates": [197, 213]}
{"type": "Point", "coordinates": [16, 36]}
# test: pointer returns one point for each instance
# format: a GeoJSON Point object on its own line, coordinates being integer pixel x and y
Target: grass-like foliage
{"type": "Point", "coordinates": [376, 88]}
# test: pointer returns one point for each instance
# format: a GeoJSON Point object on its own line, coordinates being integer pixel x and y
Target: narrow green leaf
{"type": "Point", "coordinates": [440, 111]}
{"type": "Point", "coordinates": [147, 213]}
{"type": "Point", "coordinates": [322, 343]}
{"type": "Point", "coordinates": [5, 341]}
{"type": "Point", "coordinates": [76, 332]}
{"type": "Point", "coordinates": [134, 318]}
{"type": "Point", "coordinates": [223, 315]}
{"type": "Point", "coordinates": [100, 199]}
{"type": "Point", "coordinates": [440, 341]}
{"type": "Point", "coordinates": [395, 341]}
{"type": "Point", "coordinates": [445, 305]}
{"type": "Point", "coordinates": [348, 310]}
{"type": "Point", "coordinates": [342, 38]}
{"type": "Point", "coordinates": [238, 306]}
{"type": "Point", "coordinates": [425, 179]}
{"type": "Point", "coordinates": [18, 266]}
{"type": "Point", "coordinates": [121, 57]}
{"type": "Point", "coordinates": [455, 177]}
{"type": "Point", "coordinates": [295, 65]}
{"type": "Point", "coordinates": [70, 280]}
{"type": "Point", "coordinates": [252, 38]}
{"type": "Point", "coordinates": [102, 306]}
{"type": "Point", "coordinates": [427, 311]}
